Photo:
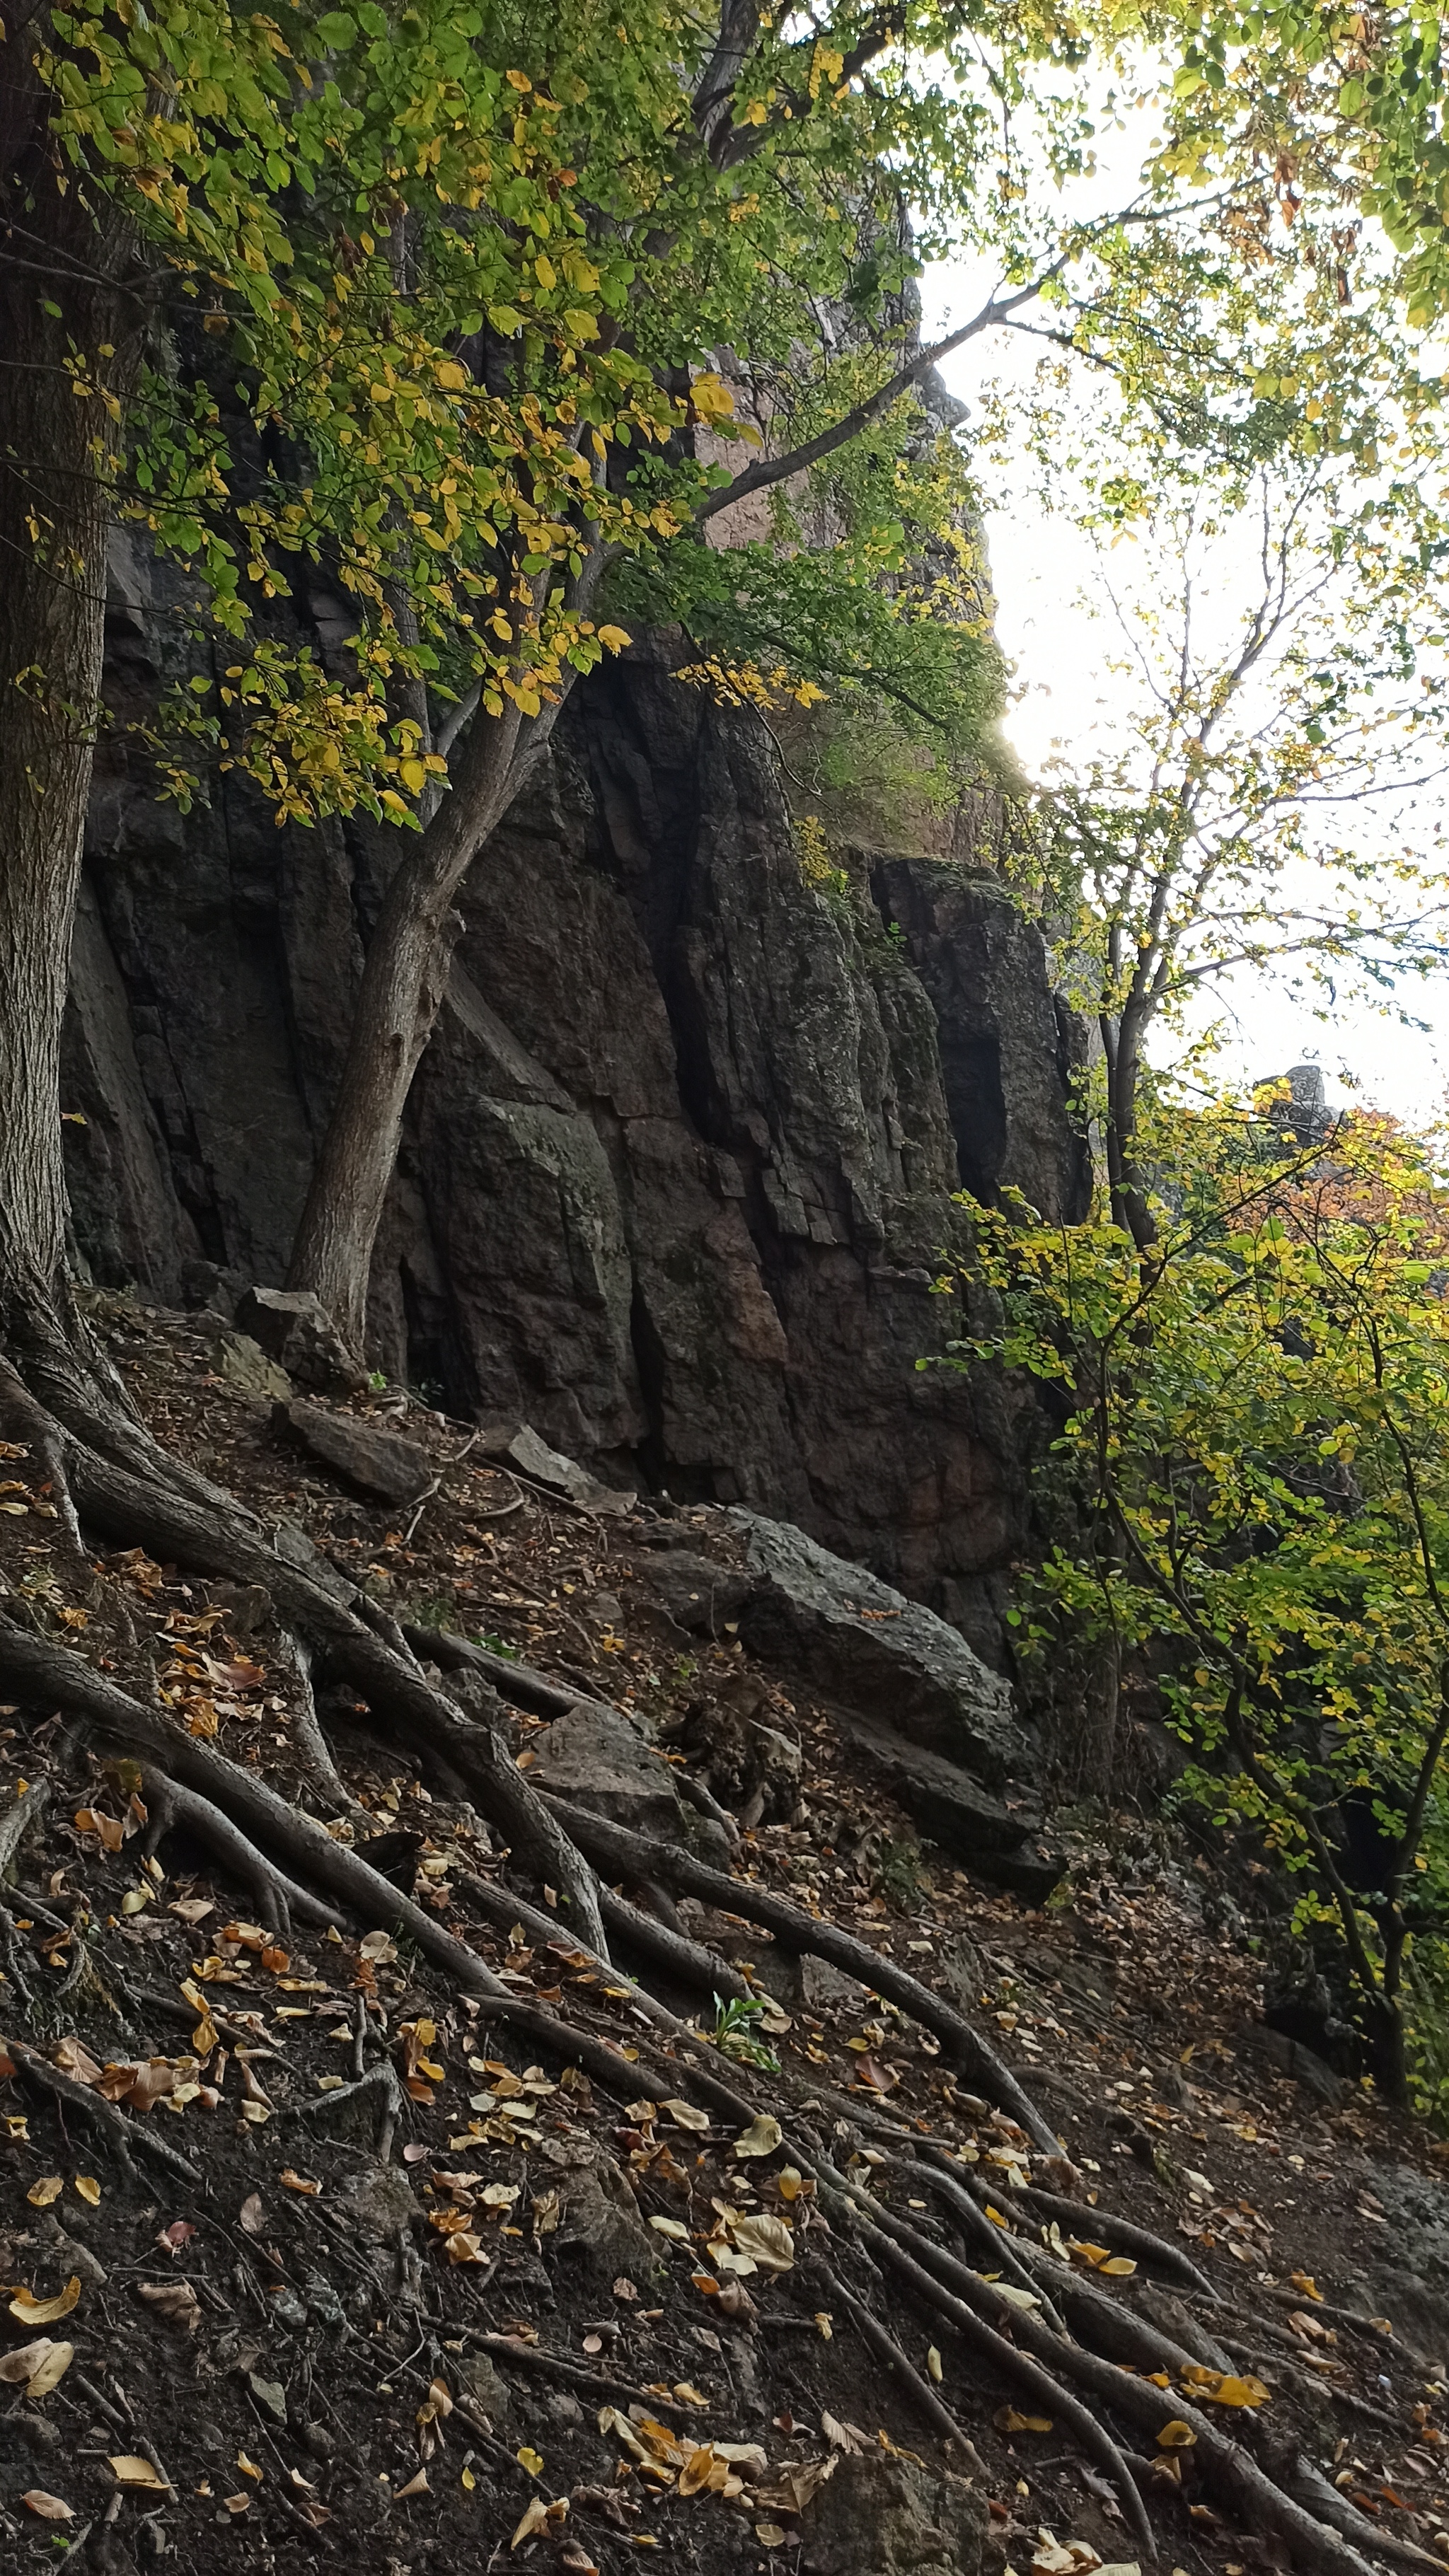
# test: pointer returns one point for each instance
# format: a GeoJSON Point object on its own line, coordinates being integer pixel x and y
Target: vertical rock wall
{"type": "Point", "coordinates": [679, 1162]}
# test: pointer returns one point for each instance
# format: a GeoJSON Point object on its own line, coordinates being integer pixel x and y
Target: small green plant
{"type": "Point", "coordinates": [896, 1874]}
{"type": "Point", "coordinates": [377, 1382]}
{"type": "Point", "coordinates": [734, 2037]}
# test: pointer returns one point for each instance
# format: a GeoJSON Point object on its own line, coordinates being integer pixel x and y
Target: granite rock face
{"type": "Point", "coordinates": [679, 1163]}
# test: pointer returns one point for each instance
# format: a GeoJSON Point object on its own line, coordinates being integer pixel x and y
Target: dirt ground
{"type": "Point", "coordinates": [536, 2333]}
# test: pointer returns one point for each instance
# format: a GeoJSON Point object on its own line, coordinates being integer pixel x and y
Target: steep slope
{"type": "Point", "coordinates": [328, 2243]}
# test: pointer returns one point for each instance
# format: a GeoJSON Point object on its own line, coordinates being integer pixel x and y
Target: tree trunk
{"type": "Point", "coordinates": [403, 982]}
{"type": "Point", "coordinates": [57, 461]}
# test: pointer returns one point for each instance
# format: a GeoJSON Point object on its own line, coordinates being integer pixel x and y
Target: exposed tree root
{"type": "Point", "coordinates": [15, 1824]}
{"type": "Point", "coordinates": [1313, 2490]}
{"type": "Point", "coordinates": [687, 1962]}
{"type": "Point", "coordinates": [615, 1847]}
{"type": "Point", "coordinates": [1039, 2380]}
{"type": "Point", "coordinates": [309, 1744]}
{"type": "Point", "coordinates": [517, 2355]}
{"type": "Point", "coordinates": [276, 1897]}
{"type": "Point", "coordinates": [122, 1484]}
{"type": "Point", "coordinates": [991, 2240]}
{"type": "Point", "coordinates": [54, 1674]}
{"type": "Point", "coordinates": [519, 1684]}
{"type": "Point", "coordinates": [1122, 2234]}
{"type": "Point", "coordinates": [127, 2136]}
{"type": "Point", "coordinates": [378, 2092]}
{"type": "Point", "coordinates": [873, 2334]}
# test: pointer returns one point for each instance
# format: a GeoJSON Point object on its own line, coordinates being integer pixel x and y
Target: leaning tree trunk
{"type": "Point", "coordinates": [58, 447]}
{"type": "Point", "coordinates": [403, 982]}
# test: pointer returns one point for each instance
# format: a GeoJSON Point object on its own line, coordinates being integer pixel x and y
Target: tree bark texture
{"type": "Point", "coordinates": [403, 981]}
{"type": "Point", "coordinates": [62, 291]}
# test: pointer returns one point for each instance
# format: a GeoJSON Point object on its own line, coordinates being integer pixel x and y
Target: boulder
{"type": "Point", "coordinates": [559, 1475]}
{"type": "Point", "coordinates": [378, 2201]}
{"type": "Point", "coordinates": [695, 1591]}
{"type": "Point", "coordinates": [998, 1843]}
{"type": "Point", "coordinates": [893, 2517]}
{"type": "Point", "coordinates": [867, 1646]}
{"type": "Point", "coordinates": [1291, 2057]}
{"type": "Point", "coordinates": [377, 1462]}
{"type": "Point", "coordinates": [244, 1365]}
{"type": "Point", "coordinates": [294, 1328]}
{"type": "Point", "coordinates": [596, 1759]}
{"type": "Point", "coordinates": [600, 2234]}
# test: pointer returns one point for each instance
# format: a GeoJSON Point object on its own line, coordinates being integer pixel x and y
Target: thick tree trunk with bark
{"type": "Point", "coordinates": [61, 291]}
{"type": "Point", "coordinates": [403, 982]}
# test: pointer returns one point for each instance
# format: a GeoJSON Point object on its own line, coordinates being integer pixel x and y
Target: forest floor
{"type": "Point", "coordinates": [559, 2324]}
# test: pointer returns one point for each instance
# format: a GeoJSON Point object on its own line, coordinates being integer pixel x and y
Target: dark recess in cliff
{"type": "Point", "coordinates": [679, 1162]}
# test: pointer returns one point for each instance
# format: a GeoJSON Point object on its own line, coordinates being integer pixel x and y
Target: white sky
{"type": "Point", "coordinates": [1042, 567]}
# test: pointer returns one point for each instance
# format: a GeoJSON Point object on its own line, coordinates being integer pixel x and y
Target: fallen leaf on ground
{"type": "Point", "coordinates": [27, 2358]}
{"type": "Point", "coordinates": [43, 2312]}
{"type": "Point", "coordinates": [415, 2486]}
{"type": "Point", "coordinates": [253, 2217]}
{"type": "Point", "coordinates": [1007, 2420]}
{"type": "Point", "coordinates": [50, 2508]}
{"type": "Point", "coordinates": [298, 2182]}
{"type": "Point", "coordinates": [132, 2471]}
{"type": "Point", "coordinates": [686, 2115]}
{"type": "Point", "coordinates": [766, 2240]}
{"type": "Point", "coordinates": [1176, 2436]}
{"type": "Point", "coordinates": [174, 2301]}
{"type": "Point", "coordinates": [89, 2190]}
{"type": "Point", "coordinates": [761, 2138]}
{"type": "Point", "coordinates": [42, 2193]}
{"type": "Point", "coordinates": [50, 2370]}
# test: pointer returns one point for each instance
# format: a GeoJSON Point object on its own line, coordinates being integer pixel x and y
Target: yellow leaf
{"type": "Point", "coordinates": [89, 2190]}
{"type": "Point", "coordinates": [414, 778]}
{"type": "Point", "coordinates": [761, 2138]}
{"type": "Point", "coordinates": [933, 2363]}
{"type": "Point", "coordinates": [530, 2460]}
{"type": "Point", "coordinates": [1176, 2436]}
{"type": "Point", "coordinates": [1007, 2420]}
{"type": "Point", "coordinates": [534, 2520]}
{"type": "Point", "coordinates": [613, 638]}
{"type": "Point", "coordinates": [468, 2480]}
{"type": "Point", "coordinates": [247, 2467]}
{"type": "Point", "coordinates": [50, 2370]}
{"type": "Point", "coordinates": [131, 2471]}
{"type": "Point", "coordinates": [687, 2115]}
{"type": "Point", "coordinates": [452, 377]}
{"type": "Point", "coordinates": [672, 2227]}
{"type": "Point", "coordinates": [1305, 2282]}
{"type": "Point", "coordinates": [43, 2312]}
{"type": "Point", "coordinates": [546, 273]}
{"type": "Point", "coordinates": [42, 2193]}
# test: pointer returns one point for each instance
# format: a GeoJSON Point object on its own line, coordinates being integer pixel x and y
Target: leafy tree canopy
{"type": "Point", "coordinates": [1251, 1509]}
{"type": "Point", "coordinates": [443, 299]}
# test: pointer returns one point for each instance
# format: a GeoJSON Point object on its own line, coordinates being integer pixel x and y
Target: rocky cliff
{"type": "Point", "coordinates": [679, 1163]}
